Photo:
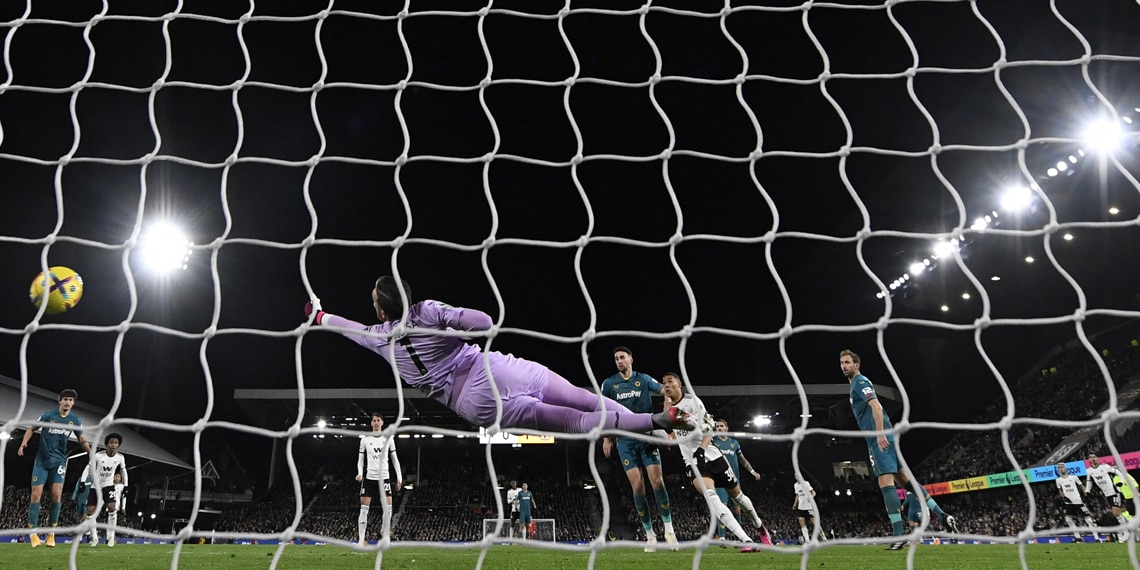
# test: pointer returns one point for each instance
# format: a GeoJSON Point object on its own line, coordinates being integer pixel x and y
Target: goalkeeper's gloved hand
{"type": "Point", "coordinates": [314, 305]}
{"type": "Point", "coordinates": [699, 456]}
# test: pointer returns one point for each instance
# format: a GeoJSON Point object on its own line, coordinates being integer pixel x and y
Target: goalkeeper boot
{"type": "Point", "coordinates": [50, 543]}
{"type": "Point", "coordinates": [651, 544]}
{"type": "Point", "coordinates": [673, 418]}
{"type": "Point", "coordinates": [34, 539]}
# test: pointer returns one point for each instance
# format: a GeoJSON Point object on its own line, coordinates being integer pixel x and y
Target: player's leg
{"type": "Point", "coordinates": [886, 467]}
{"type": "Point", "coordinates": [704, 481]}
{"type": "Point", "coordinates": [651, 459]}
{"type": "Point", "coordinates": [629, 452]}
{"type": "Point", "coordinates": [386, 504]}
{"type": "Point", "coordinates": [93, 514]}
{"type": "Point", "coordinates": [112, 516]}
{"type": "Point", "coordinates": [55, 484]}
{"type": "Point", "coordinates": [723, 496]}
{"type": "Point", "coordinates": [39, 477]}
{"type": "Point", "coordinates": [362, 518]}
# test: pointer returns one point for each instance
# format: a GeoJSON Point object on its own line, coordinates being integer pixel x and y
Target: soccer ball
{"type": "Point", "coordinates": [709, 424]}
{"type": "Point", "coordinates": [65, 288]}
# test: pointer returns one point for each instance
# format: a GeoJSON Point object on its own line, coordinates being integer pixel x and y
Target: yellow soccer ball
{"type": "Point", "coordinates": [64, 287]}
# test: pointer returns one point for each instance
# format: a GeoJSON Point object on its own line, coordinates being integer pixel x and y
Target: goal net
{"type": "Point", "coordinates": [737, 191]}
{"type": "Point", "coordinates": [539, 529]}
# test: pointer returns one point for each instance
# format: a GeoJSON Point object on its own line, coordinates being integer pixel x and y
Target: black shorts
{"type": "Point", "coordinates": [109, 496]}
{"type": "Point", "coordinates": [375, 489]}
{"type": "Point", "coordinates": [1115, 501]}
{"type": "Point", "coordinates": [804, 513]}
{"type": "Point", "coordinates": [514, 516]}
{"type": "Point", "coordinates": [717, 470]}
{"type": "Point", "coordinates": [1076, 510]}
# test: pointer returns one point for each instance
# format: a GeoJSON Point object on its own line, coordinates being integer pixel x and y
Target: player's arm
{"type": "Point", "coordinates": [360, 462]}
{"type": "Point", "coordinates": [795, 500]}
{"type": "Point", "coordinates": [27, 437]}
{"type": "Point", "coordinates": [462, 319]}
{"type": "Point", "coordinates": [83, 443]}
{"type": "Point", "coordinates": [1061, 492]}
{"type": "Point", "coordinates": [746, 464]}
{"type": "Point", "coordinates": [1088, 482]}
{"type": "Point", "coordinates": [877, 413]}
{"type": "Point", "coordinates": [123, 467]}
{"type": "Point", "coordinates": [396, 464]}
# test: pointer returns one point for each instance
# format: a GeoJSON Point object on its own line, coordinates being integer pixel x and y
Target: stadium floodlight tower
{"type": "Point", "coordinates": [164, 248]}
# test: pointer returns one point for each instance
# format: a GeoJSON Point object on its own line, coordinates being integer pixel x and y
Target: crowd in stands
{"type": "Point", "coordinates": [1070, 387]}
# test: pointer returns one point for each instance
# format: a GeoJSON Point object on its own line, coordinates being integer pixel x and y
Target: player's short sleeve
{"type": "Point", "coordinates": [654, 386]}
{"type": "Point", "coordinates": [608, 387]}
{"type": "Point", "coordinates": [361, 450]}
{"type": "Point", "coordinates": [392, 445]}
{"type": "Point", "coordinates": [76, 429]}
{"type": "Point", "coordinates": [866, 390]}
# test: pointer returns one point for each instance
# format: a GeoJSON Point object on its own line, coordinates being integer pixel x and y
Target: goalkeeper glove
{"type": "Point", "coordinates": [314, 305]}
{"type": "Point", "coordinates": [699, 456]}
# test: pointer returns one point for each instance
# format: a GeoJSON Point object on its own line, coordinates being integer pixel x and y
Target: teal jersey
{"type": "Point", "coordinates": [862, 392]}
{"type": "Point", "coordinates": [525, 500]}
{"type": "Point", "coordinates": [636, 394]}
{"type": "Point", "coordinates": [53, 440]}
{"type": "Point", "coordinates": [729, 448]}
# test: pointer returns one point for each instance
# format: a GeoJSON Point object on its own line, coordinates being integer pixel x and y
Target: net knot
{"type": "Point", "coordinates": [881, 324]}
{"type": "Point", "coordinates": [401, 160]}
{"type": "Point", "coordinates": [402, 14]}
{"type": "Point", "coordinates": [676, 239]}
{"type": "Point", "coordinates": [982, 322]}
{"type": "Point", "coordinates": [576, 160]}
{"type": "Point", "coordinates": [1005, 423]}
{"type": "Point", "coordinates": [756, 154]}
{"type": "Point", "coordinates": [666, 154]}
{"type": "Point", "coordinates": [488, 157]}
{"type": "Point", "coordinates": [785, 331]}
{"type": "Point", "coordinates": [489, 242]}
{"type": "Point", "coordinates": [1079, 314]}
{"type": "Point", "coordinates": [935, 149]}
{"type": "Point", "coordinates": [824, 76]}
{"type": "Point", "coordinates": [402, 84]}
{"type": "Point", "coordinates": [740, 79]}
{"type": "Point", "coordinates": [687, 331]}
{"type": "Point", "coordinates": [483, 12]}
{"type": "Point", "coordinates": [398, 242]}
{"type": "Point", "coordinates": [568, 82]}
{"type": "Point", "coordinates": [655, 79]}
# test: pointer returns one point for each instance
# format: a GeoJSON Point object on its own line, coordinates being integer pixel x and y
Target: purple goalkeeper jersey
{"type": "Point", "coordinates": [425, 361]}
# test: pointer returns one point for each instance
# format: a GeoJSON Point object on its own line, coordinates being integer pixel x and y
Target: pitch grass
{"type": "Point", "coordinates": [236, 557]}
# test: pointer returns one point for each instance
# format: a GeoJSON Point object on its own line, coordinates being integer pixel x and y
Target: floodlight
{"type": "Point", "coordinates": [1029, 259]}
{"type": "Point", "coordinates": [1068, 237]}
{"type": "Point", "coordinates": [945, 308]}
{"type": "Point", "coordinates": [1017, 199]}
{"type": "Point", "coordinates": [1062, 166]}
{"type": "Point", "coordinates": [917, 268]}
{"type": "Point", "coordinates": [761, 421]}
{"type": "Point", "coordinates": [945, 248]}
{"type": "Point", "coordinates": [1114, 210]}
{"type": "Point", "coordinates": [1103, 135]}
{"type": "Point", "coordinates": [164, 247]}
{"type": "Point", "coordinates": [322, 424]}
{"type": "Point", "coordinates": [979, 224]}
{"type": "Point", "coordinates": [1051, 172]}
{"type": "Point", "coordinates": [966, 296]}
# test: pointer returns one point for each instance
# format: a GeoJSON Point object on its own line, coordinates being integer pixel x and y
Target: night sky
{"type": "Point", "coordinates": [675, 189]}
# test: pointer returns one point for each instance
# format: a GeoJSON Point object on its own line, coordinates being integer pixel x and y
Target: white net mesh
{"type": "Point", "coordinates": [727, 187]}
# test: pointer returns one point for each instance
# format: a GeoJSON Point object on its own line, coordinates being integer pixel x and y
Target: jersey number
{"type": "Point", "coordinates": [407, 344]}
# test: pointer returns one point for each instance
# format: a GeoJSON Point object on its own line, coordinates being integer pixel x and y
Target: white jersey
{"type": "Point", "coordinates": [689, 441]}
{"type": "Point", "coordinates": [375, 450]}
{"type": "Point", "coordinates": [105, 468]}
{"type": "Point", "coordinates": [1070, 486]}
{"type": "Point", "coordinates": [1102, 476]}
{"type": "Point", "coordinates": [513, 499]}
{"type": "Point", "coordinates": [803, 495]}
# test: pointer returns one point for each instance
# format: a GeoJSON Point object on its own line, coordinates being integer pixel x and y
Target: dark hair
{"type": "Point", "coordinates": [854, 357]}
{"type": "Point", "coordinates": [623, 349]}
{"type": "Point", "coordinates": [113, 435]}
{"type": "Point", "coordinates": [388, 295]}
{"type": "Point", "coordinates": [679, 381]}
{"type": "Point", "coordinates": [721, 420]}
{"type": "Point", "coordinates": [68, 393]}
{"type": "Point", "coordinates": [375, 415]}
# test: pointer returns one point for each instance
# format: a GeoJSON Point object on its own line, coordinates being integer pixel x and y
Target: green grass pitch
{"type": "Point", "coordinates": [236, 557]}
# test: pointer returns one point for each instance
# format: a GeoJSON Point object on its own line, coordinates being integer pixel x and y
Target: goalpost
{"type": "Point", "coordinates": [784, 178]}
{"type": "Point", "coordinates": [543, 529]}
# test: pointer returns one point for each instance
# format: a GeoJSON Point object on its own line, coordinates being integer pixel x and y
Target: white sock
{"type": "Point", "coordinates": [804, 531]}
{"type": "Point", "coordinates": [669, 528]}
{"type": "Point", "coordinates": [112, 519]}
{"type": "Point", "coordinates": [362, 521]}
{"type": "Point", "coordinates": [724, 515]}
{"type": "Point", "coordinates": [746, 506]}
{"type": "Point", "coordinates": [1071, 523]}
{"type": "Point", "coordinates": [386, 527]}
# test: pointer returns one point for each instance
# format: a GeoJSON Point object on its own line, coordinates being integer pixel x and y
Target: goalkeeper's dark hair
{"type": "Point", "coordinates": [388, 295]}
{"type": "Point", "coordinates": [113, 435]}
{"type": "Point", "coordinates": [69, 393]}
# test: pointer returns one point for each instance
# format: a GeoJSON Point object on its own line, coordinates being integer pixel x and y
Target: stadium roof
{"type": "Point", "coordinates": [40, 400]}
